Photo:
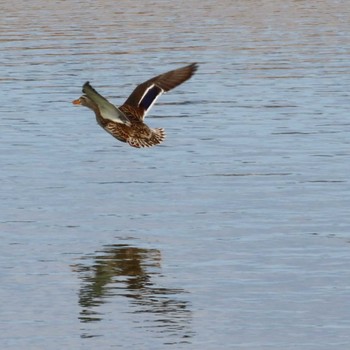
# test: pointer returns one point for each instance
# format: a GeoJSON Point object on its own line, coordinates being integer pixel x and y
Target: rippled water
{"type": "Point", "coordinates": [233, 234]}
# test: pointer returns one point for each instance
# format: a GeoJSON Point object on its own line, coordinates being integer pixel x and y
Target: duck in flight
{"type": "Point", "coordinates": [126, 123]}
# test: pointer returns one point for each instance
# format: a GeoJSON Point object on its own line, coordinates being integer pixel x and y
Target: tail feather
{"type": "Point", "coordinates": [157, 137]}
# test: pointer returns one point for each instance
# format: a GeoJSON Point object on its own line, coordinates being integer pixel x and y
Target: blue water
{"type": "Point", "coordinates": [233, 234]}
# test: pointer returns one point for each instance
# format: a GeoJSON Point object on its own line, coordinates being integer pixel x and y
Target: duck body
{"type": "Point", "coordinates": [126, 123]}
{"type": "Point", "coordinates": [138, 134]}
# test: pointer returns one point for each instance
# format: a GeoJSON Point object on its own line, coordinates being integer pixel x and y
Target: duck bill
{"type": "Point", "coordinates": [76, 102]}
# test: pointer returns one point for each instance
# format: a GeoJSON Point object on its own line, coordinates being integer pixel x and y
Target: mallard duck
{"type": "Point", "coordinates": [126, 123]}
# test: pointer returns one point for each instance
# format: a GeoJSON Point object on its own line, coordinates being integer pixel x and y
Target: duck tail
{"type": "Point", "coordinates": [157, 137]}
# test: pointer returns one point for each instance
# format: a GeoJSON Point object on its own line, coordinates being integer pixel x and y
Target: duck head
{"type": "Point", "coordinates": [85, 101]}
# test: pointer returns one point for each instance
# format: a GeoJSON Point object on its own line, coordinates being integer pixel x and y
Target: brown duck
{"type": "Point", "coordinates": [126, 123]}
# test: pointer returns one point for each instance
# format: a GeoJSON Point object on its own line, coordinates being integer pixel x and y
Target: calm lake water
{"type": "Point", "coordinates": [233, 234]}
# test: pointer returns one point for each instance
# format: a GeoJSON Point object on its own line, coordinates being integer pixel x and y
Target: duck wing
{"type": "Point", "coordinates": [146, 94]}
{"type": "Point", "coordinates": [107, 109]}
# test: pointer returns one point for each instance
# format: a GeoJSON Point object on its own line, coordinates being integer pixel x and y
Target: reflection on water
{"type": "Point", "coordinates": [123, 270]}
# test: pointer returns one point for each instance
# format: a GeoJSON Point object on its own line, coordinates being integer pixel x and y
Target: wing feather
{"type": "Point", "coordinates": [145, 94]}
{"type": "Point", "coordinates": [107, 109]}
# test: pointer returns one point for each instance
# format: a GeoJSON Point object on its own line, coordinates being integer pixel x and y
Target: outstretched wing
{"type": "Point", "coordinates": [107, 109]}
{"type": "Point", "coordinates": [146, 94]}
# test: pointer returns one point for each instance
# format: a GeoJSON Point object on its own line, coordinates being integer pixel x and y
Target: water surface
{"type": "Point", "coordinates": [233, 234]}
